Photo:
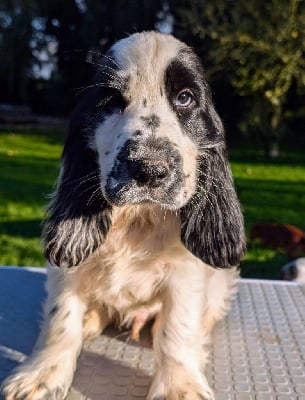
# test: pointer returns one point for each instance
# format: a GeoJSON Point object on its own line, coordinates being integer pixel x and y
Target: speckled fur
{"type": "Point", "coordinates": [139, 252]}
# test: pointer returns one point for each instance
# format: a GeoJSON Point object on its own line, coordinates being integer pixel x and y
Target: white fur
{"type": "Point", "coordinates": [114, 285]}
{"type": "Point", "coordinates": [142, 270]}
{"type": "Point", "coordinates": [146, 81]}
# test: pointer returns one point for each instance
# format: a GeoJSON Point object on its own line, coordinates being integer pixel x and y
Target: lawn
{"type": "Point", "coordinates": [269, 191]}
{"type": "Point", "coordinates": [29, 163]}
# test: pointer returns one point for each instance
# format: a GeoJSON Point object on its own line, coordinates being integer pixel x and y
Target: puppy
{"type": "Point", "coordinates": [280, 237]}
{"type": "Point", "coordinates": [145, 218]}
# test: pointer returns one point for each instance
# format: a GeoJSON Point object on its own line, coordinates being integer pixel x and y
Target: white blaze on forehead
{"type": "Point", "coordinates": [144, 57]}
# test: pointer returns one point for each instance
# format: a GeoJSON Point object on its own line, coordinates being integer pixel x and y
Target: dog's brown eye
{"type": "Point", "coordinates": [184, 98]}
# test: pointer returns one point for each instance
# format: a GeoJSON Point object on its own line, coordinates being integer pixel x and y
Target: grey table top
{"type": "Point", "coordinates": [258, 351]}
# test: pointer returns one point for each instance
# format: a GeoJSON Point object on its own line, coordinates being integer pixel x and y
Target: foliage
{"type": "Point", "coordinates": [253, 51]}
{"type": "Point", "coordinates": [16, 32]}
{"type": "Point", "coordinates": [259, 46]}
{"type": "Point", "coordinates": [36, 34]}
{"type": "Point", "coordinates": [29, 162]}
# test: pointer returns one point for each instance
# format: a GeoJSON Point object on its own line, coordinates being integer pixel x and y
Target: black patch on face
{"type": "Point", "coordinates": [125, 187]}
{"type": "Point", "coordinates": [152, 122]}
{"type": "Point", "coordinates": [144, 103]}
{"type": "Point", "coordinates": [197, 120]}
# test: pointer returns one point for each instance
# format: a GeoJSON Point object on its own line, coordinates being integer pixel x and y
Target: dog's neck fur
{"type": "Point", "coordinates": [128, 269]}
{"type": "Point", "coordinates": [148, 227]}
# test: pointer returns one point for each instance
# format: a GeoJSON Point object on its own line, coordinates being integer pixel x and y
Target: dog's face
{"type": "Point", "coordinates": [146, 131]}
{"type": "Point", "coordinates": [151, 129]}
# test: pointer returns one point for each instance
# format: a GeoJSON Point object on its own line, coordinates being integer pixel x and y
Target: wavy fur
{"type": "Point", "coordinates": [145, 206]}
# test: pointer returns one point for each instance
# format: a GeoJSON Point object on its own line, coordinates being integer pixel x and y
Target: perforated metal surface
{"type": "Point", "coordinates": [258, 351]}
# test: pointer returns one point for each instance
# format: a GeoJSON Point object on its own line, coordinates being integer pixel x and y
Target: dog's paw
{"type": "Point", "coordinates": [35, 384]}
{"type": "Point", "coordinates": [185, 389]}
{"type": "Point", "coordinates": [180, 394]}
{"type": "Point", "coordinates": [183, 396]}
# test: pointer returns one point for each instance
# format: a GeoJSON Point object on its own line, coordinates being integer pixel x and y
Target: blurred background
{"type": "Point", "coordinates": [254, 56]}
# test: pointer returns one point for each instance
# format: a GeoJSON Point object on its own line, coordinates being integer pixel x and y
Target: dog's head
{"type": "Point", "coordinates": [146, 131]}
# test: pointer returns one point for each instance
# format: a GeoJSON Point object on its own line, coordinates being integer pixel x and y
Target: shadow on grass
{"type": "Point", "coordinates": [26, 229]}
{"type": "Point", "coordinates": [27, 179]}
{"type": "Point", "coordinates": [21, 167]}
{"type": "Point", "coordinates": [268, 269]}
{"type": "Point", "coordinates": [271, 201]}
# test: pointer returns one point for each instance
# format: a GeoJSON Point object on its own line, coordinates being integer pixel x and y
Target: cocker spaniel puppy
{"type": "Point", "coordinates": [145, 222]}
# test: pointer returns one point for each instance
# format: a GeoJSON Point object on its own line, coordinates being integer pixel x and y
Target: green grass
{"type": "Point", "coordinates": [271, 191]}
{"type": "Point", "coordinates": [29, 163]}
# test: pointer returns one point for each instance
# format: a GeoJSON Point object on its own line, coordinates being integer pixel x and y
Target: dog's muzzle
{"type": "Point", "coordinates": [145, 171]}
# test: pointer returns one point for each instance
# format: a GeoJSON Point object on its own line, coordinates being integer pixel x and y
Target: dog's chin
{"type": "Point", "coordinates": [122, 195]}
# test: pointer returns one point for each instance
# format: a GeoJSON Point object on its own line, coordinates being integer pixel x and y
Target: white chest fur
{"type": "Point", "coordinates": [128, 270]}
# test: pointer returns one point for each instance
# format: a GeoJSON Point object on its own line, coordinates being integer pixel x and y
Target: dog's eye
{"type": "Point", "coordinates": [184, 99]}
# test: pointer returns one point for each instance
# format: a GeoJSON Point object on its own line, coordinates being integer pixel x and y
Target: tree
{"type": "Point", "coordinates": [260, 45]}
{"type": "Point", "coordinates": [29, 28]}
{"type": "Point", "coordinates": [16, 31]}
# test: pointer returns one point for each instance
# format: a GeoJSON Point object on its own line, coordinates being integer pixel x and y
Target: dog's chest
{"type": "Point", "coordinates": [130, 267]}
{"type": "Point", "coordinates": [133, 284]}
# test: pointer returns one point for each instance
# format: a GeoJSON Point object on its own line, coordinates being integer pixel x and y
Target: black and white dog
{"type": "Point", "coordinates": [145, 222]}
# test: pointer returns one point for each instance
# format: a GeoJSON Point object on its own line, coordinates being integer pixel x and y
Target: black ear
{"type": "Point", "coordinates": [212, 225]}
{"type": "Point", "coordinates": [78, 217]}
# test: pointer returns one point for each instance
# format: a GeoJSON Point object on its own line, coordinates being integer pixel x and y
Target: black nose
{"type": "Point", "coordinates": [148, 172]}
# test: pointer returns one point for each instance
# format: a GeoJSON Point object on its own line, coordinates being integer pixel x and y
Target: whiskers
{"type": "Point", "coordinates": [109, 85]}
{"type": "Point", "coordinates": [107, 76]}
{"type": "Point", "coordinates": [83, 179]}
{"type": "Point", "coordinates": [98, 54]}
{"type": "Point", "coordinates": [96, 194]}
{"type": "Point", "coordinates": [86, 183]}
{"type": "Point", "coordinates": [207, 146]}
{"type": "Point", "coordinates": [210, 180]}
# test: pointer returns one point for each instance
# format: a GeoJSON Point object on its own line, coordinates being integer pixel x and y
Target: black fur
{"type": "Point", "coordinates": [77, 221]}
{"type": "Point", "coordinates": [290, 271]}
{"type": "Point", "coordinates": [212, 225]}
{"type": "Point", "coordinates": [74, 207]}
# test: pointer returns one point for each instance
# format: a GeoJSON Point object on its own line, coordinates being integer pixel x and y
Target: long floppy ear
{"type": "Point", "coordinates": [212, 225]}
{"type": "Point", "coordinates": [78, 217]}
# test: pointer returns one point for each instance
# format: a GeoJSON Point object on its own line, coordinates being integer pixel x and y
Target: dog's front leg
{"type": "Point", "coordinates": [179, 343]}
{"type": "Point", "coordinates": [48, 372]}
